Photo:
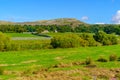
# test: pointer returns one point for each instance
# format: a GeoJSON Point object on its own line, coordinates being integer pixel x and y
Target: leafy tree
{"type": "Point", "coordinates": [39, 30]}
{"type": "Point", "coordinates": [105, 39]}
{"type": "Point", "coordinates": [65, 41]}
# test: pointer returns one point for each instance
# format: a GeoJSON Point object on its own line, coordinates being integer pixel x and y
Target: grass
{"type": "Point", "coordinates": [49, 57]}
{"type": "Point", "coordinates": [57, 34]}
{"type": "Point", "coordinates": [25, 36]}
{"type": "Point", "coordinates": [21, 60]}
{"type": "Point", "coordinates": [21, 35]}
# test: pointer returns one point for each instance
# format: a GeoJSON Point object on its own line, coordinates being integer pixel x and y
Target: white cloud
{"type": "Point", "coordinates": [116, 18]}
{"type": "Point", "coordinates": [85, 18]}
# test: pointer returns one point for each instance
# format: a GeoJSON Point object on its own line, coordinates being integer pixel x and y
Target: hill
{"type": "Point", "coordinates": [6, 22]}
{"type": "Point", "coordinates": [59, 21]}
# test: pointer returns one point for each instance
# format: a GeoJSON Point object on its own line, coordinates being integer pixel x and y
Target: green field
{"type": "Point", "coordinates": [25, 36]}
{"type": "Point", "coordinates": [22, 60]}
{"type": "Point", "coordinates": [21, 35]}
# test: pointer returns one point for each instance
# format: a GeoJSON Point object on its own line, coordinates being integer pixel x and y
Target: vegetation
{"type": "Point", "coordinates": [105, 39]}
{"type": "Point", "coordinates": [70, 49]}
{"type": "Point", "coordinates": [21, 35]}
{"type": "Point", "coordinates": [66, 41]}
{"type": "Point", "coordinates": [113, 57]}
{"type": "Point", "coordinates": [59, 25]}
{"type": "Point", "coordinates": [4, 42]}
{"type": "Point", "coordinates": [44, 60]}
{"type": "Point", "coordinates": [88, 61]}
{"type": "Point", "coordinates": [102, 59]}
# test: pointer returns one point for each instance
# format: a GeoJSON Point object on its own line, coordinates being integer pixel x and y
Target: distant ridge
{"type": "Point", "coordinates": [59, 21]}
{"type": "Point", "coordinates": [6, 22]}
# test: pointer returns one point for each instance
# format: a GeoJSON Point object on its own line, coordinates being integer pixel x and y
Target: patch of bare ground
{"type": "Point", "coordinates": [76, 74]}
{"type": "Point", "coordinates": [85, 73]}
{"type": "Point", "coordinates": [3, 65]}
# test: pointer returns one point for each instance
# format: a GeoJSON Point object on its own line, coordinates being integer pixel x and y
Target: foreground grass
{"type": "Point", "coordinates": [21, 60]}
{"type": "Point", "coordinates": [49, 57]}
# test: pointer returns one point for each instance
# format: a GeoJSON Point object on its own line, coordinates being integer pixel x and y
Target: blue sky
{"type": "Point", "coordinates": [90, 11]}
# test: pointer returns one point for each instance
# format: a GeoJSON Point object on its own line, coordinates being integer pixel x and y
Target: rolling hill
{"type": "Point", "coordinates": [59, 21]}
{"type": "Point", "coordinates": [6, 22]}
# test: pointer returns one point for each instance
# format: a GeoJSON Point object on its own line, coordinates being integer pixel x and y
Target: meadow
{"type": "Point", "coordinates": [39, 59]}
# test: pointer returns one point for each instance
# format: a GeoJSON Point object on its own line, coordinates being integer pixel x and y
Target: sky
{"type": "Point", "coordinates": [89, 11]}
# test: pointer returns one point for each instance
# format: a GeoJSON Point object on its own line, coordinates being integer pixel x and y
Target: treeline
{"type": "Point", "coordinates": [108, 28]}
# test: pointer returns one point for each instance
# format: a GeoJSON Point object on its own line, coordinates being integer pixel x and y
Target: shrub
{"type": "Point", "coordinates": [66, 41]}
{"type": "Point", "coordinates": [89, 39]}
{"type": "Point", "coordinates": [105, 39]}
{"type": "Point", "coordinates": [1, 71]}
{"type": "Point", "coordinates": [102, 59]}
{"type": "Point", "coordinates": [113, 57]}
{"type": "Point", "coordinates": [4, 42]}
{"type": "Point", "coordinates": [118, 58]}
{"type": "Point", "coordinates": [88, 61]}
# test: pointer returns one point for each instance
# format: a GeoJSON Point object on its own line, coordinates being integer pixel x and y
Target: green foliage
{"type": "Point", "coordinates": [105, 39]}
{"type": "Point", "coordinates": [88, 39]}
{"type": "Point", "coordinates": [39, 30]}
{"type": "Point", "coordinates": [4, 42]}
{"type": "Point", "coordinates": [30, 45]}
{"type": "Point", "coordinates": [1, 71]}
{"type": "Point", "coordinates": [102, 59]}
{"type": "Point", "coordinates": [66, 41]}
{"type": "Point", "coordinates": [113, 57]}
{"type": "Point", "coordinates": [118, 58]}
{"type": "Point", "coordinates": [88, 61]}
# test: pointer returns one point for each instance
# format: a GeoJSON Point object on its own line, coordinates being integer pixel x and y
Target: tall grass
{"type": "Point", "coordinates": [30, 44]}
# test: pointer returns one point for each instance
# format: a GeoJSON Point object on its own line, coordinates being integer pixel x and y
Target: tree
{"type": "Point", "coordinates": [105, 39]}
{"type": "Point", "coordinates": [65, 41]}
{"type": "Point", "coordinates": [39, 30]}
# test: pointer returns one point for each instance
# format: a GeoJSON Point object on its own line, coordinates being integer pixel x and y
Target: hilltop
{"type": "Point", "coordinates": [59, 21]}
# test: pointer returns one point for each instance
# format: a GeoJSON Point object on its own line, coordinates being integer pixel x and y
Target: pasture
{"type": "Point", "coordinates": [39, 59]}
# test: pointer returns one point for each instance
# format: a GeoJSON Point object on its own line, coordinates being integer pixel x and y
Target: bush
{"type": "Point", "coordinates": [105, 39]}
{"type": "Point", "coordinates": [102, 59]}
{"type": "Point", "coordinates": [89, 39]}
{"type": "Point", "coordinates": [1, 71]}
{"type": "Point", "coordinates": [88, 61]}
{"type": "Point", "coordinates": [66, 41]}
{"type": "Point", "coordinates": [4, 42]}
{"type": "Point", "coordinates": [113, 57]}
{"type": "Point", "coordinates": [118, 58]}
